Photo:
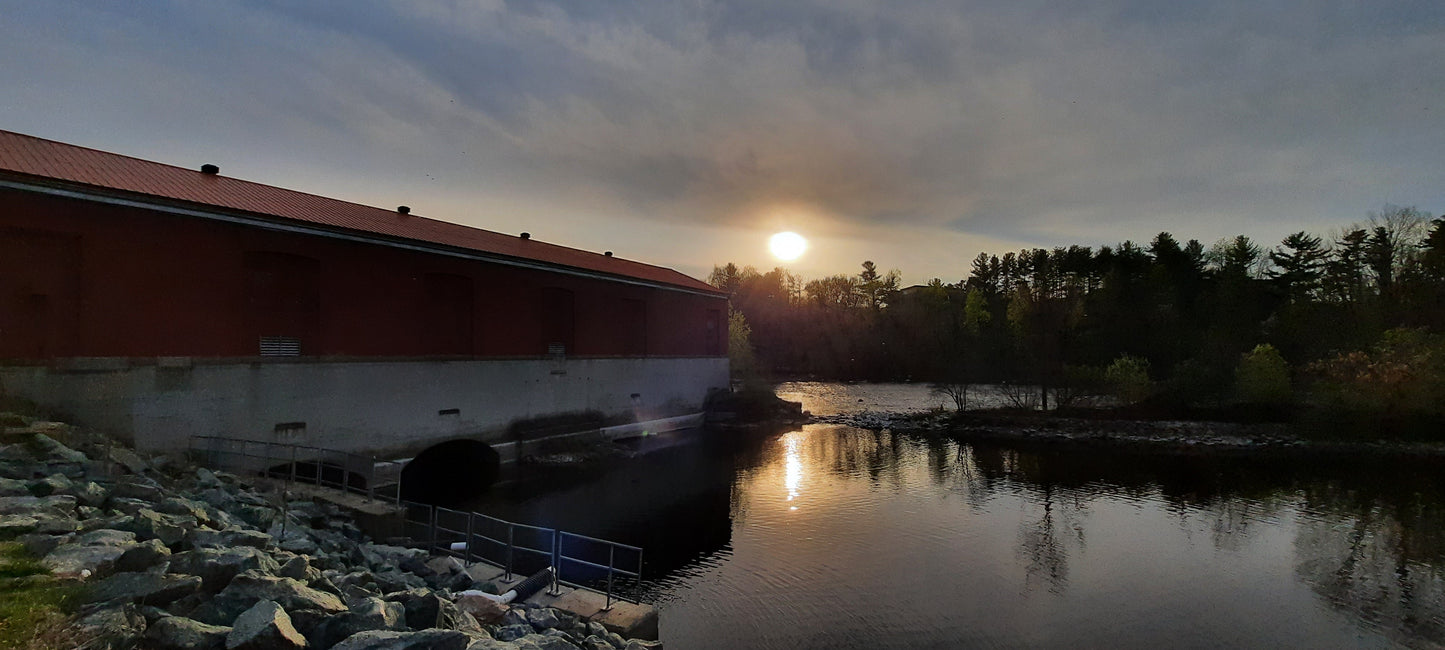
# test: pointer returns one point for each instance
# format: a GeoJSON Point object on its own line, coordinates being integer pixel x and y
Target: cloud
{"type": "Point", "coordinates": [1017, 121]}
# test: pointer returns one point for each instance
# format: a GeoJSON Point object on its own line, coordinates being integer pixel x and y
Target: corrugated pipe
{"type": "Point", "coordinates": [524, 589]}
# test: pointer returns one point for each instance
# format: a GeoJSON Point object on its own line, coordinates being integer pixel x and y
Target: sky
{"type": "Point", "coordinates": [914, 133]}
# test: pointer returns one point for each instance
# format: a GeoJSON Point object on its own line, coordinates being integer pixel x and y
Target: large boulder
{"type": "Point", "coordinates": [180, 633]}
{"type": "Point", "coordinates": [547, 642]}
{"type": "Point", "coordinates": [424, 640]}
{"type": "Point", "coordinates": [143, 556]}
{"type": "Point", "coordinates": [149, 524]}
{"type": "Point", "coordinates": [93, 554]}
{"type": "Point", "coordinates": [110, 628]}
{"type": "Point", "coordinates": [425, 610]}
{"type": "Point", "coordinates": [485, 610]}
{"type": "Point", "coordinates": [203, 538]}
{"type": "Point", "coordinates": [143, 588]}
{"type": "Point", "coordinates": [265, 626]}
{"type": "Point", "coordinates": [365, 615]}
{"type": "Point", "coordinates": [51, 450]}
{"type": "Point", "coordinates": [56, 505]}
{"type": "Point", "coordinates": [250, 587]}
{"type": "Point", "coordinates": [217, 567]}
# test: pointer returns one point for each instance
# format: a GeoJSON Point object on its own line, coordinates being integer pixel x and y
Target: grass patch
{"type": "Point", "coordinates": [33, 605]}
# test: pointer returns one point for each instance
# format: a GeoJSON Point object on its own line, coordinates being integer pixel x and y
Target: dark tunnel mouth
{"type": "Point", "coordinates": [451, 472]}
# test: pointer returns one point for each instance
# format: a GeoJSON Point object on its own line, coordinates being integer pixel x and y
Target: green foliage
{"type": "Point", "coordinates": [1128, 379]}
{"type": "Point", "coordinates": [1402, 377]}
{"type": "Point", "coordinates": [742, 361]}
{"type": "Point", "coordinates": [1262, 377]}
{"type": "Point", "coordinates": [32, 604]}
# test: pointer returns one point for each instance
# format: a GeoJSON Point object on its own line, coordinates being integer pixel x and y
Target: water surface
{"type": "Point", "coordinates": [834, 537]}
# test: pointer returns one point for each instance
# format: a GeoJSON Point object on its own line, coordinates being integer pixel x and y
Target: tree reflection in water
{"type": "Point", "coordinates": [1370, 533]}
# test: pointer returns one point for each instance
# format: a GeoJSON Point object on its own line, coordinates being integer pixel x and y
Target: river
{"type": "Point", "coordinates": [830, 536]}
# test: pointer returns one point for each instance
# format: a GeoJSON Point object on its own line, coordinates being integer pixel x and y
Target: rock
{"type": "Point", "coordinates": [106, 537]}
{"type": "Point", "coordinates": [129, 506]}
{"type": "Point", "coordinates": [302, 545]}
{"type": "Point", "coordinates": [424, 640]}
{"type": "Point", "coordinates": [89, 494]}
{"type": "Point", "coordinates": [143, 556]}
{"type": "Point", "coordinates": [381, 556]}
{"type": "Point", "coordinates": [206, 478]}
{"type": "Point", "coordinates": [368, 614]}
{"type": "Point", "coordinates": [182, 506]}
{"type": "Point", "coordinates": [265, 626]}
{"type": "Point", "coordinates": [485, 610]}
{"type": "Point", "coordinates": [60, 505]}
{"type": "Point", "coordinates": [128, 459]}
{"type": "Point", "coordinates": [143, 588]}
{"type": "Point", "coordinates": [92, 555]}
{"type": "Point", "coordinates": [53, 450]}
{"type": "Point", "coordinates": [445, 565]}
{"type": "Point", "coordinates": [179, 633]}
{"type": "Point", "coordinates": [55, 483]}
{"type": "Point", "coordinates": [297, 568]}
{"type": "Point", "coordinates": [138, 487]}
{"type": "Point", "coordinates": [202, 538]}
{"type": "Point", "coordinates": [639, 644]}
{"type": "Point", "coordinates": [393, 581]}
{"type": "Point", "coordinates": [515, 616]}
{"type": "Point", "coordinates": [546, 642]}
{"type": "Point", "coordinates": [16, 525]}
{"type": "Point", "coordinates": [149, 524]}
{"type": "Point", "coordinates": [425, 609]}
{"type": "Point", "coordinates": [543, 618]}
{"type": "Point", "coordinates": [595, 642]}
{"type": "Point", "coordinates": [42, 545]}
{"type": "Point", "coordinates": [217, 567]}
{"type": "Point", "coordinates": [511, 632]}
{"type": "Point", "coordinates": [110, 628]}
{"type": "Point", "coordinates": [250, 587]}
{"type": "Point", "coordinates": [10, 487]}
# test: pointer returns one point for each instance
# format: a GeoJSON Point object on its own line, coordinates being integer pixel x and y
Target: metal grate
{"type": "Point", "coordinates": [280, 346]}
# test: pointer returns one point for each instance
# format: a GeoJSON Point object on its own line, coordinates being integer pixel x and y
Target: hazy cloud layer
{"type": "Point", "coordinates": [1004, 121]}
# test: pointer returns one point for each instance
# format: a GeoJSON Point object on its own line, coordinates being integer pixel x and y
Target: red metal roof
{"type": "Point", "coordinates": [48, 159]}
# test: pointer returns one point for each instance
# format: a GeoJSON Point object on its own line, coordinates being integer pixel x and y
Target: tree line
{"type": "Point", "coordinates": [1365, 305]}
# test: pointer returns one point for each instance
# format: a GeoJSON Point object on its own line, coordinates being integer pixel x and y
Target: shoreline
{"type": "Point", "coordinates": [1164, 436]}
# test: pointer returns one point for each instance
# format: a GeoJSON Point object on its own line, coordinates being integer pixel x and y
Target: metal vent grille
{"type": "Point", "coordinates": [280, 346]}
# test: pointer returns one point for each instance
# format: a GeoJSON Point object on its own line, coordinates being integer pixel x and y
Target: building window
{"type": "Point", "coordinates": [283, 294]}
{"type": "Point", "coordinates": [447, 318]}
{"type": "Point", "coordinates": [558, 322]}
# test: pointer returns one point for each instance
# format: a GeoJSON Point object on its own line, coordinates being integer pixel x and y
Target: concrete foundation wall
{"type": "Point", "coordinates": [384, 407]}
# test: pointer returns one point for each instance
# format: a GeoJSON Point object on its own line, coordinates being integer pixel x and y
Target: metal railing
{"type": "Point", "coordinates": [304, 464]}
{"type": "Point", "coordinates": [516, 548]}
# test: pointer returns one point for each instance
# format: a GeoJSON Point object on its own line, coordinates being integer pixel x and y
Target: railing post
{"type": "Point", "coordinates": [433, 532]}
{"type": "Point", "coordinates": [611, 557]}
{"type": "Point", "coordinates": [371, 480]}
{"type": "Point", "coordinates": [471, 516]}
{"type": "Point", "coordinates": [511, 533]}
{"type": "Point", "coordinates": [556, 560]}
{"type": "Point", "coordinates": [293, 465]}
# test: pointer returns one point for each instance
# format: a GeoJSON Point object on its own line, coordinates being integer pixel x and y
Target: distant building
{"type": "Point", "coordinates": [158, 302]}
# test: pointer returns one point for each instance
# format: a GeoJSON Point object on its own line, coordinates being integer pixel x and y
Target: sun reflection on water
{"type": "Point", "coordinates": [793, 465]}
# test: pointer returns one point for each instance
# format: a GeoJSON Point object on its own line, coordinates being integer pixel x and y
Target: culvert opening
{"type": "Point", "coordinates": [450, 473]}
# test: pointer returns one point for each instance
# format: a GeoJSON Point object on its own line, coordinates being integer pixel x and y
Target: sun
{"type": "Point", "coordinates": [787, 246]}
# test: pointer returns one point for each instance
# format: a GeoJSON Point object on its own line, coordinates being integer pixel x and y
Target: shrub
{"type": "Point", "coordinates": [1128, 379]}
{"type": "Point", "coordinates": [1262, 377]}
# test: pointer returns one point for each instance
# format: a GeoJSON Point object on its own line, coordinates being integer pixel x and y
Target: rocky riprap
{"type": "Point", "coordinates": [185, 558]}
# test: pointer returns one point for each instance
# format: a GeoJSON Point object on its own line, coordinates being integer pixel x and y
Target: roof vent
{"type": "Point", "coordinates": [208, 168]}
{"type": "Point", "coordinates": [526, 235]}
{"type": "Point", "coordinates": [402, 209]}
{"type": "Point", "coordinates": [608, 253]}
